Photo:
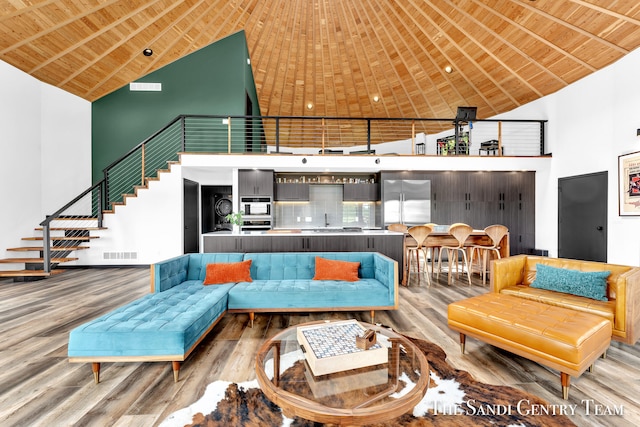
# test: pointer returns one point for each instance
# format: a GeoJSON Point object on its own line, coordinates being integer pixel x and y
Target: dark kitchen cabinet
{"type": "Point", "coordinates": [297, 192]}
{"type": "Point", "coordinates": [512, 203]}
{"type": "Point", "coordinates": [255, 182]}
{"type": "Point", "coordinates": [290, 243]}
{"type": "Point", "coordinates": [236, 243]}
{"type": "Point", "coordinates": [309, 243]}
{"type": "Point", "coordinates": [221, 243]}
{"type": "Point", "coordinates": [363, 192]}
{"type": "Point", "coordinates": [481, 199]}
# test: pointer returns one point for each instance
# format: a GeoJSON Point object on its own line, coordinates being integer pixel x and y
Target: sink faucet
{"type": "Point", "coordinates": [326, 219]}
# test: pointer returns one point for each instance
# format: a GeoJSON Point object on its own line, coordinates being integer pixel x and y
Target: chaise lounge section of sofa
{"type": "Point", "coordinates": [180, 311]}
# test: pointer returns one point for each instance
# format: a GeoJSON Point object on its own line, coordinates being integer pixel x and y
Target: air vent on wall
{"type": "Point", "coordinates": [120, 255]}
{"type": "Point", "coordinates": [145, 87]}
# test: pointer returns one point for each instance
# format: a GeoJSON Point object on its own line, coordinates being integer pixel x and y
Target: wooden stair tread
{"type": "Point", "coordinates": [76, 218]}
{"type": "Point", "coordinates": [53, 249]}
{"type": "Point", "coordinates": [29, 273]}
{"type": "Point", "coordinates": [34, 260]}
{"type": "Point", "coordinates": [81, 238]}
{"type": "Point", "coordinates": [72, 228]}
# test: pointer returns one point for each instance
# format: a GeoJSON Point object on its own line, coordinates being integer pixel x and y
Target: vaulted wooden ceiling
{"type": "Point", "coordinates": [335, 54]}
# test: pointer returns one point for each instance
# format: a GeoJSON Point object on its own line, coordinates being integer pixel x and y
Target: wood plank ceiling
{"type": "Point", "coordinates": [336, 54]}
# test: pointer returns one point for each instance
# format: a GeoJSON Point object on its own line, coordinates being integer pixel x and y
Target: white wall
{"type": "Point", "coordinates": [146, 229]}
{"type": "Point", "coordinates": [65, 146]}
{"type": "Point", "coordinates": [45, 152]}
{"type": "Point", "coordinates": [591, 123]}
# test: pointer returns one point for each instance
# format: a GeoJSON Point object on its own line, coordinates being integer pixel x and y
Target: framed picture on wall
{"type": "Point", "coordinates": [629, 184]}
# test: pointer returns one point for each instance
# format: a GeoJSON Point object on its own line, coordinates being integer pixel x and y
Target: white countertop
{"type": "Point", "coordinates": [304, 232]}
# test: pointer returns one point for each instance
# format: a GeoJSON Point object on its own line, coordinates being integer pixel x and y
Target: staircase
{"type": "Point", "coordinates": [69, 229]}
{"type": "Point", "coordinates": [71, 234]}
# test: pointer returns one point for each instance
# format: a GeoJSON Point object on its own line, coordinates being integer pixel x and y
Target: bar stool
{"type": "Point", "coordinates": [460, 232]}
{"type": "Point", "coordinates": [433, 250]}
{"type": "Point", "coordinates": [419, 234]}
{"type": "Point", "coordinates": [397, 227]}
{"type": "Point", "coordinates": [496, 233]}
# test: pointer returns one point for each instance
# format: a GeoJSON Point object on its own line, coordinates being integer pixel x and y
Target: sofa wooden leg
{"type": "Point", "coordinates": [565, 380]}
{"type": "Point", "coordinates": [252, 316]}
{"type": "Point", "coordinates": [176, 370]}
{"type": "Point", "coordinates": [373, 317]}
{"type": "Point", "coordinates": [95, 367]}
{"type": "Point", "coordinates": [604, 355]}
{"type": "Point", "coordinates": [463, 339]}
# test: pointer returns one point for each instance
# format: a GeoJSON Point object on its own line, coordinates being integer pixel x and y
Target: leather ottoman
{"type": "Point", "coordinates": [560, 338]}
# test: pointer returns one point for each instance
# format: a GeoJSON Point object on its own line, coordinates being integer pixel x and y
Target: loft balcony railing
{"type": "Point", "coordinates": [283, 135]}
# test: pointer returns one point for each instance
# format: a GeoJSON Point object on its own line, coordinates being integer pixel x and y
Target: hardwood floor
{"type": "Point", "coordinates": [39, 387]}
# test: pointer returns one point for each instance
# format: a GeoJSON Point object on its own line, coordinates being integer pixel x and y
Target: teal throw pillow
{"type": "Point", "coordinates": [590, 284]}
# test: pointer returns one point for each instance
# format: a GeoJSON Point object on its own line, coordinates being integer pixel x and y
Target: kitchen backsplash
{"type": "Point", "coordinates": [325, 208]}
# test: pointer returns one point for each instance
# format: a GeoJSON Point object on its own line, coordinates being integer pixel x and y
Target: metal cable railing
{"type": "Point", "coordinates": [69, 227]}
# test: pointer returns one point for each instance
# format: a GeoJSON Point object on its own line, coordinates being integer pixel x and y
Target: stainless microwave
{"type": "Point", "coordinates": [256, 206]}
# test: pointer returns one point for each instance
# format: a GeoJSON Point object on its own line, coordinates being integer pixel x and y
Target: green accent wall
{"type": "Point", "coordinates": [215, 80]}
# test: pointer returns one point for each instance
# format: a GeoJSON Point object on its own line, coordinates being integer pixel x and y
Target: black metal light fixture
{"type": "Point", "coordinates": [147, 52]}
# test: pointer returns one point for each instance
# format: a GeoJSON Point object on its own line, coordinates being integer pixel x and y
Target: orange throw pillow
{"type": "Point", "coordinates": [228, 272]}
{"type": "Point", "coordinates": [327, 269]}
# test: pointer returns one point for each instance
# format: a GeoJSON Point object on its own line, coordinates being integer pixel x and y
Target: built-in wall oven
{"type": "Point", "coordinates": [258, 213]}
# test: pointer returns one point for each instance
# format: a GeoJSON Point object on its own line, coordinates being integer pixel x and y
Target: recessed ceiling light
{"type": "Point", "coordinates": [448, 69]}
{"type": "Point", "coordinates": [376, 98]}
{"type": "Point", "coordinates": [147, 52]}
{"type": "Point", "coordinates": [310, 106]}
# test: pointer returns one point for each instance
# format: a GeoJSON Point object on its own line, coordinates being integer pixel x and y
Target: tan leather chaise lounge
{"type": "Point", "coordinates": [514, 275]}
{"type": "Point", "coordinates": [560, 330]}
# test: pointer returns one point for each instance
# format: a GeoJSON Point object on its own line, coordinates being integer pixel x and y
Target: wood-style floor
{"type": "Point", "coordinates": [39, 387]}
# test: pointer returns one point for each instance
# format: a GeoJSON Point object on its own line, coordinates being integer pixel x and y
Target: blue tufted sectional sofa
{"type": "Point", "coordinates": [168, 324]}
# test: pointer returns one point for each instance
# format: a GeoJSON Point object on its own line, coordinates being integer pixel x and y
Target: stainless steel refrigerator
{"type": "Point", "coordinates": [406, 201]}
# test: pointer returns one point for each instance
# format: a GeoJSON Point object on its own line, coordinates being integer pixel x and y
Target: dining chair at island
{"type": "Point", "coordinates": [496, 233]}
{"type": "Point", "coordinates": [398, 227]}
{"type": "Point", "coordinates": [460, 232]}
{"type": "Point", "coordinates": [432, 249]}
{"type": "Point", "coordinates": [419, 234]}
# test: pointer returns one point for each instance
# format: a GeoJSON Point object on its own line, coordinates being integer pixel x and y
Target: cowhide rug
{"type": "Point", "coordinates": [453, 398]}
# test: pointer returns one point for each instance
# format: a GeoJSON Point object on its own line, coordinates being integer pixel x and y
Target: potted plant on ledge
{"type": "Point", "coordinates": [236, 220]}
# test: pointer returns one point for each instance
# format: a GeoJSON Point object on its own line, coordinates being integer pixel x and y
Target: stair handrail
{"type": "Point", "coordinates": [46, 224]}
{"type": "Point", "coordinates": [145, 141]}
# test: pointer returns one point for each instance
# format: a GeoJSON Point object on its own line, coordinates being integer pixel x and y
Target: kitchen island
{"type": "Point", "coordinates": [389, 243]}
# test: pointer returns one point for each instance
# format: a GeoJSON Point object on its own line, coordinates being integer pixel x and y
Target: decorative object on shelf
{"type": "Point", "coordinates": [236, 219]}
{"type": "Point", "coordinates": [629, 184]}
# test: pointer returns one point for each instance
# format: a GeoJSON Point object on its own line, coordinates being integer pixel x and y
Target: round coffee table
{"type": "Point", "coordinates": [352, 397]}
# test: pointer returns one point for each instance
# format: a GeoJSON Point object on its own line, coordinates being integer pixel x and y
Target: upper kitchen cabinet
{"type": "Point", "coordinates": [297, 192]}
{"type": "Point", "coordinates": [461, 197]}
{"type": "Point", "coordinates": [255, 182]}
{"type": "Point", "coordinates": [364, 192]}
